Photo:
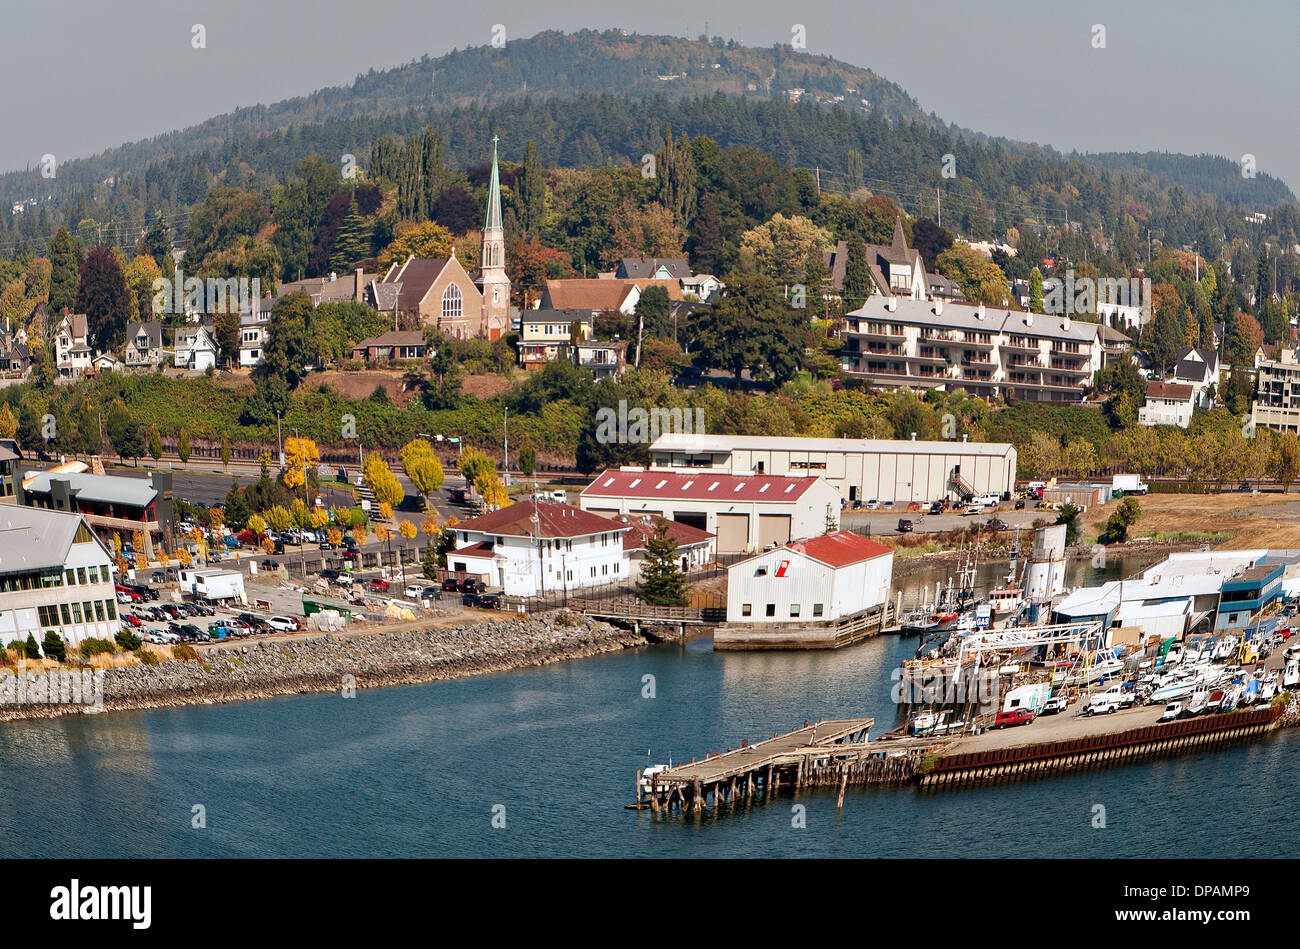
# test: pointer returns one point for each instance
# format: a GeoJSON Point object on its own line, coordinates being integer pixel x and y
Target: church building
{"type": "Point", "coordinates": [440, 293]}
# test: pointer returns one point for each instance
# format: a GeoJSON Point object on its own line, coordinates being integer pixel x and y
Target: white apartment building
{"type": "Point", "coordinates": [538, 548]}
{"type": "Point", "coordinates": [1277, 393]}
{"type": "Point", "coordinates": [926, 344]}
{"type": "Point", "coordinates": [56, 575]}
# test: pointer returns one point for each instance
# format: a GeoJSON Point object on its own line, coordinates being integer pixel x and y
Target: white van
{"type": "Point", "coordinates": [988, 500]}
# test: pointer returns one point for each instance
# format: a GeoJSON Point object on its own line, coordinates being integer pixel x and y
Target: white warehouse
{"type": "Point", "coordinates": [860, 469]}
{"type": "Point", "coordinates": [745, 512]}
{"type": "Point", "coordinates": [808, 581]}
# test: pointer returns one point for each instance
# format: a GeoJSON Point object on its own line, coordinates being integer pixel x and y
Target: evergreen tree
{"type": "Point", "coordinates": [430, 562]}
{"type": "Point", "coordinates": [65, 273]}
{"type": "Point", "coordinates": [706, 241]}
{"type": "Point", "coordinates": [857, 278]}
{"type": "Point", "coordinates": [1035, 291]}
{"type": "Point", "coordinates": [237, 508]}
{"type": "Point", "coordinates": [662, 582]}
{"type": "Point", "coordinates": [30, 649]}
{"type": "Point", "coordinates": [532, 192]}
{"type": "Point", "coordinates": [353, 241]}
{"type": "Point", "coordinates": [183, 446]}
{"type": "Point", "coordinates": [54, 647]}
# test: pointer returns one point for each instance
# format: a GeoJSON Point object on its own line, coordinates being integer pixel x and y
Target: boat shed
{"type": "Point", "coordinates": [820, 579]}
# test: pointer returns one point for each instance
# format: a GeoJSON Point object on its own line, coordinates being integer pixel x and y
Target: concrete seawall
{"type": "Point", "coordinates": [253, 669]}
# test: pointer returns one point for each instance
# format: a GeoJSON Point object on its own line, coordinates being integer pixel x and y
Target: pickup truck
{"type": "Point", "coordinates": [1112, 700]}
{"type": "Point", "coordinates": [1016, 716]}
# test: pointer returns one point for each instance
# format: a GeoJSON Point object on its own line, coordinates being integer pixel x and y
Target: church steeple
{"type": "Point", "coordinates": [493, 220]}
{"type": "Point", "coordinates": [493, 281]}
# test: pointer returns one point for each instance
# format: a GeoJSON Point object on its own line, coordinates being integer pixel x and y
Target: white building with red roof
{"type": "Point", "coordinates": [818, 580]}
{"type": "Point", "coordinates": [537, 548]}
{"type": "Point", "coordinates": [745, 512]}
{"type": "Point", "coordinates": [694, 546]}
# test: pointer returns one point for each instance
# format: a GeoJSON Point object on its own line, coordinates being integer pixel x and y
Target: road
{"type": "Point", "coordinates": [886, 522]}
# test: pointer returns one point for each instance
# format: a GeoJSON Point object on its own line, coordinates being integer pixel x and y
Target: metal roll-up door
{"type": "Point", "coordinates": [733, 533]}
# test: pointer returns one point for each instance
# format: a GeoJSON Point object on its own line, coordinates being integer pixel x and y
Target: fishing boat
{"type": "Point", "coordinates": [1005, 600]}
{"type": "Point", "coordinates": [1199, 698]}
{"type": "Point", "coordinates": [925, 723]}
{"type": "Point", "coordinates": [1291, 675]}
{"type": "Point", "coordinates": [917, 622]}
{"type": "Point", "coordinates": [1268, 688]}
{"type": "Point", "coordinates": [1225, 649]}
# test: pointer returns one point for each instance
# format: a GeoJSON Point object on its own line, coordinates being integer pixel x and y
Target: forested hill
{"type": "Point", "coordinates": [548, 65]}
{"type": "Point", "coordinates": [591, 99]}
{"type": "Point", "coordinates": [1205, 174]}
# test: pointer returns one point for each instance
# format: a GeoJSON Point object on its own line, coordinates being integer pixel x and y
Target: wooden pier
{"type": "Point", "coordinates": [826, 754]}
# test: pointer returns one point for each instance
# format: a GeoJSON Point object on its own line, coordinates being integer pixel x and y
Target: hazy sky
{"type": "Point", "coordinates": [78, 76]}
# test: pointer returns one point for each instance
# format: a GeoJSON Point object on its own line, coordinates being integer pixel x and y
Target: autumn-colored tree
{"type": "Point", "coordinates": [334, 536]}
{"type": "Point", "coordinates": [8, 424]}
{"type": "Point", "coordinates": [782, 247]}
{"type": "Point", "coordinates": [423, 239]}
{"type": "Point", "coordinates": [422, 467]}
{"type": "Point", "coordinates": [257, 524]}
{"type": "Point", "coordinates": [381, 480]}
{"type": "Point", "coordinates": [300, 456]}
{"type": "Point", "coordinates": [407, 529]}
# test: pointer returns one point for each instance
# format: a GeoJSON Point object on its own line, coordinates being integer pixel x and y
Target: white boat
{"type": "Point", "coordinates": [1097, 670]}
{"type": "Point", "coordinates": [1196, 702]}
{"type": "Point", "coordinates": [1180, 684]}
{"type": "Point", "coordinates": [1291, 675]}
{"type": "Point", "coordinates": [1268, 688]}
{"type": "Point", "coordinates": [1226, 648]}
{"type": "Point", "coordinates": [923, 723]}
{"type": "Point", "coordinates": [1006, 599]}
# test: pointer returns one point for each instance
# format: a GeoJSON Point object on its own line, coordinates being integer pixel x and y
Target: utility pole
{"type": "Point", "coordinates": [506, 446]}
{"type": "Point", "coordinates": [279, 445]}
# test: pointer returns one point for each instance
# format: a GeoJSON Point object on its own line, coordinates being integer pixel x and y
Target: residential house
{"type": "Point", "coordinates": [895, 269]}
{"type": "Point", "coordinates": [195, 347]}
{"type": "Point", "coordinates": [72, 353]}
{"type": "Point", "coordinates": [332, 288]}
{"type": "Point", "coordinates": [144, 345]}
{"type": "Point", "coordinates": [653, 268]}
{"type": "Point", "coordinates": [543, 334]}
{"type": "Point", "coordinates": [701, 286]}
{"type": "Point", "coordinates": [602, 294]}
{"type": "Point", "coordinates": [107, 362]}
{"type": "Point", "coordinates": [602, 358]}
{"type": "Point", "coordinates": [15, 358]}
{"type": "Point", "coordinates": [1168, 403]}
{"type": "Point", "coordinates": [393, 345]}
{"type": "Point", "coordinates": [253, 330]}
{"type": "Point", "coordinates": [1198, 367]}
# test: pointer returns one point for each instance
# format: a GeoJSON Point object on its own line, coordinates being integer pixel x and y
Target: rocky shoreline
{"type": "Point", "coordinates": [334, 662]}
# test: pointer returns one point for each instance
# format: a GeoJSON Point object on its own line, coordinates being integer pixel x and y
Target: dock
{"type": "Point", "coordinates": [834, 634]}
{"type": "Point", "coordinates": [825, 754]}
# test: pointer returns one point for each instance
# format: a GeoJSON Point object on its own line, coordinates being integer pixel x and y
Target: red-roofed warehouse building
{"type": "Point", "coordinates": [746, 512]}
{"type": "Point", "coordinates": [817, 580]}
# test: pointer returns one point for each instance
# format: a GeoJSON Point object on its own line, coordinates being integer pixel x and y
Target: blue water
{"type": "Point", "coordinates": [417, 771]}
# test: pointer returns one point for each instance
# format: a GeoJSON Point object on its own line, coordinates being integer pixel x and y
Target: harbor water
{"type": "Point", "coordinates": [540, 762]}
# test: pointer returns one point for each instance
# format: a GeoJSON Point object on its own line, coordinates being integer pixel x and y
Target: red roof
{"type": "Point", "coordinates": [839, 549]}
{"type": "Point", "coordinates": [696, 486]}
{"type": "Point", "coordinates": [481, 549]}
{"type": "Point", "coordinates": [640, 529]}
{"type": "Point", "coordinates": [1169, 390]}
{"type": "Point", "coordinates": [533, 518]}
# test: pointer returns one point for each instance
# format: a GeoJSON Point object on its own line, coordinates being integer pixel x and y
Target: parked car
{"type": "Point", "coordinates": [379, 584]}
{"type": "Point", "coordinates": [451, 584]}
{"type": "Point", "coordinates": [904, 526]}
{"type": "Point", "coordinates": [1020, 504]}
{"type": "Point", "coordinates": [158, 577]}
{"type": "Point", "coordinates": [1057, 703]}
{"type": "Point", "coordinates": [1013, 717]}
{"type": "Point", "coordinates": [344, 580]}
{"type": "Point", "coordinates": [284, 624]}
{"type": "Point", "coordinates": [426, 592]}
{"type": "Point", "coordinates": [132, 619]}
{"type": "Point", "coordinates": [326, 545]}
{"type": "Point", "coordinates": [936, 507]}
{"type": "Point", "coordinates": [482, 601]}
{"type": "Point", "coordinates": [268, 564]}
{"type": "Point", "coordinates": [1171, 712]}
{"type": "Point", "coordinates": [329, 574]}
{"type": "Point", "coordinates": [350, 554]}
